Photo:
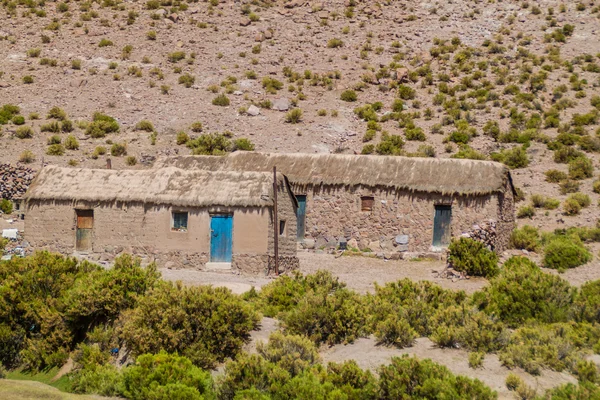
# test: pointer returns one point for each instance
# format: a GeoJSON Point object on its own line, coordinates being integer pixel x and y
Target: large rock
{"type": "Point", "coordinates": [281, 104]}
{"type": "Point", "coordinates": [245, 21]}
{"type": "Point", "coordinates": [253, 111]}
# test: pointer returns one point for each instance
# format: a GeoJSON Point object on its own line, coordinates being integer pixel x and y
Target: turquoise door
{"type": "Point", "coordinates": [301, 216]}
{"type": "Point", "coordinates": [221, 234]}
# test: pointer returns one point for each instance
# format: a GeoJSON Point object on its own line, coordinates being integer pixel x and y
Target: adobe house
{"type": "Point", "coordinates": [385, 203]}
{"type": "Point", "coordinates": [221, 219]}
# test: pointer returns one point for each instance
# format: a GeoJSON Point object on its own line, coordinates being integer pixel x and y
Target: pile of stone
{"type": "Point", "coordinates": [450, 273]}
{"type": "Point", "coordinates": [14, 181]}
{"type": "Point", "coordinates": [484, 233]}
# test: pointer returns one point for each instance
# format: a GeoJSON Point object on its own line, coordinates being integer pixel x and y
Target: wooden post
{"type": "Point", "coordinates": [108, 164]}
{"type": "Point", "coordinates": [275, 222]}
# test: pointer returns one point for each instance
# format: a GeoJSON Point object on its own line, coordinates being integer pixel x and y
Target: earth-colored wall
{"type": "Point", "coordinates": [145, 230]}
{"type": "Point", "coordinates": [334, 212]}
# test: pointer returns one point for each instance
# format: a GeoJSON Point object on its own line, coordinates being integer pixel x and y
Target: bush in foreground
{"type": "Point", "coordinates": [471, 256]}
{"type": "Point", "coordinates": [564, 252]}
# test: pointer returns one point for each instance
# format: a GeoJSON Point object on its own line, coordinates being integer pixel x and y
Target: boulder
{"type": "Point", "coordinates": [253, 111]}
{"type": "Point", "coordinates": [281, 104]}
{"type": "Point", "coordinates": [245, 21]}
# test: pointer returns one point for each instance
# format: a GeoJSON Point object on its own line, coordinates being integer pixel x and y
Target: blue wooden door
{"type": "Point", "coordinates": [221, 234]}
{"type": "Point", "coordinates": [301, 216]}
{"type": "Point", "coordinates": [441, 226]}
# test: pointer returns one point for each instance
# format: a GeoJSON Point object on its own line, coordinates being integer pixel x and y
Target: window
{"type": "Point", "coordinates": [179, 222]}
{"type": "Point", "coordinates": [282, 228]}
{"type": "Point", "coordinates": [366, 203]}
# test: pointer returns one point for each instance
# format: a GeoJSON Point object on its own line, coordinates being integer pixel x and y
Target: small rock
{"type": "Point", "coordinates": [245, 21]}
{"type": "Point", "coordinates": [174, 17]}
{"type": "Point", "coordinates": [253, 111]}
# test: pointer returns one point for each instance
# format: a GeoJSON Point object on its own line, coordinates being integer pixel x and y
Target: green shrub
{"type": "Point", "coordinates": [71, 143]}
{"type": "Point", "coordinates": [105, 43]}
{"type": "Point", "coordinates": [564, 252]}
{"type": "Point", "coordinates": [291, 352]}
{"type": "Point", "coordinates": [221, 100]}
{"type": "Point", "coordinates": [415, 134]}
{"type": "Point", "coordinates": [513, 381]}
{"type": "Point", "coordinates": [182, 138]}
{"type": "Point", "coordinates": [6, 206]}
{"type": "Point", "coordinates": [513, 158]}
{"type": "Point", "coordinates": [568, 186]}
{"type": "Point", "coordinates": [243, 144]}
{"type": "Point", "coordinates": [406, 92]}
{"type": "Point", "coordinates": [395, 331]}
{"type": "Point", "coordinates": [53, 127]}
{"type": "Point", "coordinates": [569, 391]}
{"type": "Point", "coordinates": [165, 376]}
{"type": "Point", "coordinates": [566, 154]}
{"type": "Point", "coordinates": [104, 380]}
{"type": "Point", "coordinates": [408, 377]}
{"type": "Point", "coordinates": [526, 211]}
{"type": "Point", "coordinates": [596, 186]}
{"type": "Point", "coordinates": [476, 359]}
{"type": "Point", "coordinates": [210, 144]}
{"type": "Point", "coordinates": [101, 126]}
{"type": "Point", "coordinates": [196, 127]}
{"type": "Point", "coordinates": [555, 176]}
{"type": "Point", "coordinates": [144, 125]}
{"type": "Point", "coordinates": [391, 146]}
{"type": "Point", "coordinates": [587, 302]}
{"type": "Point", "coordinates": [188, 80]}
{"type": "Point", "coordinates": [540, 201]}
{"type": "Point", "coordinates": [335, 43]}
{"type": "Point", "coordinates": [67, 126]}
{"type": "Point", "coordinates": [27, 79]}
{"type": "Point", "coordinates": [522, 292]}
{"type": "Point", "coordinates": [18, 120]}
{"type": "Point", "coordinates": [24, 132]}
{"type": "Point", "coordinates": [581, 168]}
{"type": "Point", "coordinates": [118, 149]}
{"type": "Point", "coordinates": [55, 139]}
{"type": "Point", "coordinates": [349, 95]}
{"type": "Point", "coordinates": [467, 152]}
{"type": "Point", "coordinates": [525, 238]}
{"type": "Point", "coordinates": [203, 323]}
{"type": "Point", "coordinates": [581, 198]}
{"type": "Point", "coordinates": [472, 257]}
{"type": "Point", "coordinates": [541, 346]}
{"type": "Point", "coordinates": [293, 116]}
{"type": "Point", "coordinates": [27, 157]}
{"type": "Point", "coordinates": [55, 150]}
{"type": "Point", "coordinates": [7, 112]}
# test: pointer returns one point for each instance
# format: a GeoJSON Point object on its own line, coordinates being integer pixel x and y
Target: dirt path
{"type": "Point", "coordinates": [359, 273]}
{"type": "Point", "coordinates": [370, 356]}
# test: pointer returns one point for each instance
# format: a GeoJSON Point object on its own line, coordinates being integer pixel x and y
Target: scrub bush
{"type": "Point", "coordinates": [555, 176]}
{"type": "Point", "coordinates": [165, 376]}
{"type": "Point", "coordinates": [293, 353]}
{"type": "Point", "coordinates": [569, 391]}
{"type": "Point", "coordinates": [525, 238]}
{"type": "Point", "coordinates": [101, 126]}
{"type": "Point", "coordinates": [243, 144]}
{"type": "Point", "coordinates": [406, 302]}
{"type": "Point", "coordinates": [522, 292]}
{"type": "Point", "coordinates": [587, 302]}
{"type": "Point", "coordinates": [203, 323]}
{"type": "Point", "coordinates": [581, 168]}
{"type": "Point", "coordinates": [408, 377]}
{"type": "Point", "coordinates": [6, 206]}
{"type": "Point", "coordinates": [472, 257]}
{"type": "Point", "coordinates": [210, 144]}
{"type": "Point", "coordinates": [349, 96]}
{"type": "Point", "coordinates": [513, 158]}
{"type": "Point", "coordinates": [24, 132]}
{"type": "Point", "coordinates": [541, 346]}
{"type": "Point", "coordinates": [564, 252]}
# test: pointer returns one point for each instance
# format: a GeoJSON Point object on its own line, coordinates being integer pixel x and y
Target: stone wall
{"type": "Point", "coordinates": [286, 211]}
{"type": "Point", "coordinates": [506, 217]}
{"type": "Point", "coordinates": [334, 212]}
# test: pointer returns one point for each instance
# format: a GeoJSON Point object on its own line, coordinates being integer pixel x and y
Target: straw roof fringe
{"type": "Point", "coordinates": [430, 175]}
{"type": "Point", "coordinates": [168, 185]}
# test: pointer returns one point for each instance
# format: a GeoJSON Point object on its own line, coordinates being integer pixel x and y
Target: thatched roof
{"type": "Point", "coordinates": [431, 175]}
{"type": "Point", "coordinates": [167, 185]}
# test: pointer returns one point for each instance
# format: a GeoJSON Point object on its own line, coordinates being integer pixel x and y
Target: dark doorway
{"type": "Point", "coordinates": [441, 225]}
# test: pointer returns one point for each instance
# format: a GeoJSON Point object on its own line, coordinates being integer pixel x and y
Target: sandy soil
{"type": "Point", "coordinates": [370, 356]}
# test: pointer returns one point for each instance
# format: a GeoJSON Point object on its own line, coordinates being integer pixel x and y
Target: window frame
{"type": "Point", "coordinates": [282, 228]}
{"type": "Point", "coordinates": [364, 200]}
{"type": "Point", "coordinates": [187, 222]}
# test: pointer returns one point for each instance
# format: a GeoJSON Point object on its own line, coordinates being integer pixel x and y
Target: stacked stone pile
{"type": "Point", "coordinates": [14, 181]}
{"type": "Point", "coordinates": [485, 233]}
